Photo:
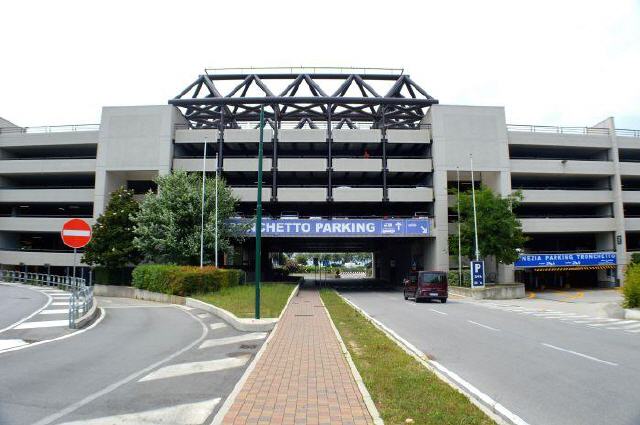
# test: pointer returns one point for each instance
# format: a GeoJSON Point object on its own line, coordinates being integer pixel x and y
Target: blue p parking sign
{"type": "Point", "coordinates": [477, 274]}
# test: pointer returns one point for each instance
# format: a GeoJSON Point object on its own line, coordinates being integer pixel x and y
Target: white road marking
{"type": "Point", "coordinates": [439, 312]}
{"type": "Point", "coordinates": [24, 319]}
{"type": "Point", "coordinates": [233, 339]}
{"type": "Point", "coordinates": [203, 315]}
{"type": "Point", "coordinates": [183, 369]}
{"type": "Point", "coordinates": [636, 324]}
{"type": "Point", "coordinates": [181, 414]}
{"type": "Point", "coordinates": [5, 344]}
{"type": "Point", "coordinates": [595, 359]}
{"type": "Point", "coordinates": [57, 296]}
{"type": "Point", "coordinates": [215, 326]}
{"type": "Point", "coordinates": [43, 324]}
{"type": "Point", "coordinates": [52, 311]}
{"type": "Point", "coordinates": [634, 331]}
{"type": "Point", "coordinates": [88, 399]}
{"type": "Point", "coordinates": [484, 326]}
{"type": "Point", "coordinates": [595, 319]}
{"type": "Point", "coordinates": [58, 303]}
{"type": "Point", "coordinates": [184, 307]}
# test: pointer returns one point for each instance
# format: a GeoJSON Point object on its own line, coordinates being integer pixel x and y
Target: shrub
{"type": "Point", "coordinates": [452, 278]}
{"type": "Point", "coordinates": [184, 280]}
{"type": "Point", "coordinates": [631, 288]}
{"type": "Point", "coordinates": [113, 276]}
{"type": "Point", "coordinates": [635, 258]}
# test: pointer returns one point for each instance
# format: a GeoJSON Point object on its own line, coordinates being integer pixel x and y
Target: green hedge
{"type": "Point", "coordinates": [453, 280]}
{"type": "Point", "coordinates": [184, 280]}
{"type": "Point", "coordinates": [107, 276]}
{"type": "Point", "coordinates": [631, 288]}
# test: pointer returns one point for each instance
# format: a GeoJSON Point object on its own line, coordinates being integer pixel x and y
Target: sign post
{"type": "Point", "coordinates": [477, 274]}
{"type": "Point", "coordinates": [76, 233]}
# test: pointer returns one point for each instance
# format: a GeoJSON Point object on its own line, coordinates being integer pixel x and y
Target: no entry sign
{"type": "Point", "coordinates": [76, 233]}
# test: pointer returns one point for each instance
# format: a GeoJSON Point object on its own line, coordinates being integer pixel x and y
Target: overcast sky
{"type": "Point", "coordinates": [548, 62]}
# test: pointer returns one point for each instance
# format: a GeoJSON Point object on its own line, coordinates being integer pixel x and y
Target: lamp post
{"type": "Point", "coordinates": [216, 213]}
{"type": "Point", "coordinates": [204, 163]}
{"type": "Point", "coordinates": [259, 215]}
{"type": "Point", "coordinates": [475, 217]}
{"type": "Point", "coordinates": [459, 235]}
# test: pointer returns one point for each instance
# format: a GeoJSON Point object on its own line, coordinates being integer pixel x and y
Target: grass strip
{"type": "Point", "coordinates": [240, 300]}
{"type": "Point", "coordinates": [401, 387]}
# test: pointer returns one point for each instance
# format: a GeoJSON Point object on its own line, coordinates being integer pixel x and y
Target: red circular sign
{"type": "Point", "coordinates": [76, 233]}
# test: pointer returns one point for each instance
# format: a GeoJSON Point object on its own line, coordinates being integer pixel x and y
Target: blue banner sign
{"type": "Point", "coordinates": [566, 259]}
{"type": "Point", "coordinates": [307, 227]}
{"type": "Point", "coordinates": [477, 274]}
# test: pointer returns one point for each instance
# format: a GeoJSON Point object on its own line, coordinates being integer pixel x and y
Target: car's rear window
{"type": "Point", "coordinates": [429, 278]}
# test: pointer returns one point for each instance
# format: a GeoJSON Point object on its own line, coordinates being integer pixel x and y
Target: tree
{"type": "Point", "coordinates": [301, 259]}
{"type": "Point", "coordinates": [112, 244]}
{"type": "Point", "coordinates": [167, 227]}
{"type": "Point", "coordinates": [499, 230]}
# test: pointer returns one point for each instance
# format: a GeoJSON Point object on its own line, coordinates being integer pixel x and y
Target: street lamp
{"type": "Point", "coordinates": [204, 163]}
{"type": "Point", "coordinates": [259, 215]}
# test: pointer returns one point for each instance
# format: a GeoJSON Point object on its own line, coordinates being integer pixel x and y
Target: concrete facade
{"type": "Point", "coordinates": [593, 170]}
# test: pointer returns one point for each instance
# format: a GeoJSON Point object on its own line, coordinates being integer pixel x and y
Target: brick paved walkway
{"type": "Point", "coordinates": [302, 376]}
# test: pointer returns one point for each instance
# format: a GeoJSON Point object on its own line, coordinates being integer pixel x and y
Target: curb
{"type": "Point", "coordinates": [368, 401]}
{"type": "Point", "coordinates": [88, 317]}
{"type": "Point", "coordinates": [241, 324]}
{"type": "Point", "coordinates": [632, 313]}
{"type": "Point", "coordinates": [484, 402]}
{"type": "Point", "coordinates": [224, 409]}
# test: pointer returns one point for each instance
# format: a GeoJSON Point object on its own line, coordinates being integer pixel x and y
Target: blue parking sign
{"type": "Point", "coordinates": [477, 274]}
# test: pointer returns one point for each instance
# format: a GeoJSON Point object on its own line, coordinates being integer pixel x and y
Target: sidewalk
{"type": "Point", "coordinates": [302, 376]}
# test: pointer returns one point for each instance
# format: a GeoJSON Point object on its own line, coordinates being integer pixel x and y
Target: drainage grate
{"type": "Point", "coordinates": [248, 346]}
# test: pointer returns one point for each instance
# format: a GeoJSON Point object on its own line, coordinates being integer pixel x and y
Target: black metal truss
{"type": "Point", "coordinates": [400, 107]}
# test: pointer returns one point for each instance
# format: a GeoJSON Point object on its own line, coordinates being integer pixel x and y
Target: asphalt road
{"type": "Point", "coordinates": [17, 302]}
{"type": "Point", "coordinates": [142, 362]}
{"type": "Point", "coordinates": [546, 367]}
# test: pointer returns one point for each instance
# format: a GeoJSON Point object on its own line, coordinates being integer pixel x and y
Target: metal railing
{"type": "Point", "coordinates": [290, 125]}
{"type": "Point", "coordinates": [51, 128]}
{"type": "Point", "coordinates": [557, 130]}
{"type": "Point", "coordinates": [81, 300]}
{"type": "Point", "coordinates": [626, 132]}
{"type": "Point", "coordinates": [304, 70]}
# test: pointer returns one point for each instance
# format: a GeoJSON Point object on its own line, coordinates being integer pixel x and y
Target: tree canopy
{"type": "Point", "coordinates": [499, 230]}
{"type": "Point", "coordinates": [111, 244]}
{"type": "Point", "coordinates": [168, 224]}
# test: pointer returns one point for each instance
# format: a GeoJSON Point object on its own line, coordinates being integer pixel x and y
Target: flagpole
{"type": "Point", "coordinates": [475, 216]}
{"type": "Point", "coordinates": [204, 163]}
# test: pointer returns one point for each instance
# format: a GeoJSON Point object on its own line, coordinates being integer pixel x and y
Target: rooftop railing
{"type": "Point", "coordinates": [305, 70]}
{"type": "Point", "coordinates": [319, 125]}
{"type": "Point", "coordinates": [625, 132]}
{"type": "Point", "coordinates": [51, 129]}
{"type": "Point", "coordinates": [558, 130]}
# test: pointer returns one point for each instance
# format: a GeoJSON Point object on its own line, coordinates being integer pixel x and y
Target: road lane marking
{"type": "Point", "coordinates": [88, 399]}
{"type": "Point", "coordinates": [43, 324]}
{"type": "Point", "coordinates": [5, 344]}
{"type": "Point", "coordinates": [595, 319]}
{"type": "Point", "coordinates": [191, 368]}
{"type": "Point", "coordinates": [55, 311]}
{"type": "Point", "coordinates": [203, 315]}
{"type": "Point", "coordinates": [180, 414]}
{"type": "Point", "coordinates": [24, 319]}
{"type": "Point", "coordinates": [595, 359]}
{"type": "Point", "coordinates": [438, 311]}
{"type": "Point", "coordinates": [484, 326]}
{"type": "Point", "coordinates": [233, 339]}
{"type": "Point", "coordinates": [215, 326]}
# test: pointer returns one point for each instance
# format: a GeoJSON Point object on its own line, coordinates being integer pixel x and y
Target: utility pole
{"type": "Point", "coordinates": [204, 164]}
{"type": "Point", "coordinates": [259, 215]}
{"type": "Point", "coordinates": [475, 216]}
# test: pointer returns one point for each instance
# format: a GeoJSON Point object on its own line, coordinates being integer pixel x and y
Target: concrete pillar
{"type": "Point", "coordinates": [618, 205]}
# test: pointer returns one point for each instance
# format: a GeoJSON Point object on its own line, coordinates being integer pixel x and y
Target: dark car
{"type": "Point", "coordinates": [426, 286]}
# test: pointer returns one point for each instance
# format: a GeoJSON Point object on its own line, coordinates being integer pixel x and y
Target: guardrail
{"type": "Point", "coordinates": [81, 299]}
{"type": "Point", "coordinates": [51, 128]}
{"type": "Point", "coordinates": [626, 132]}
